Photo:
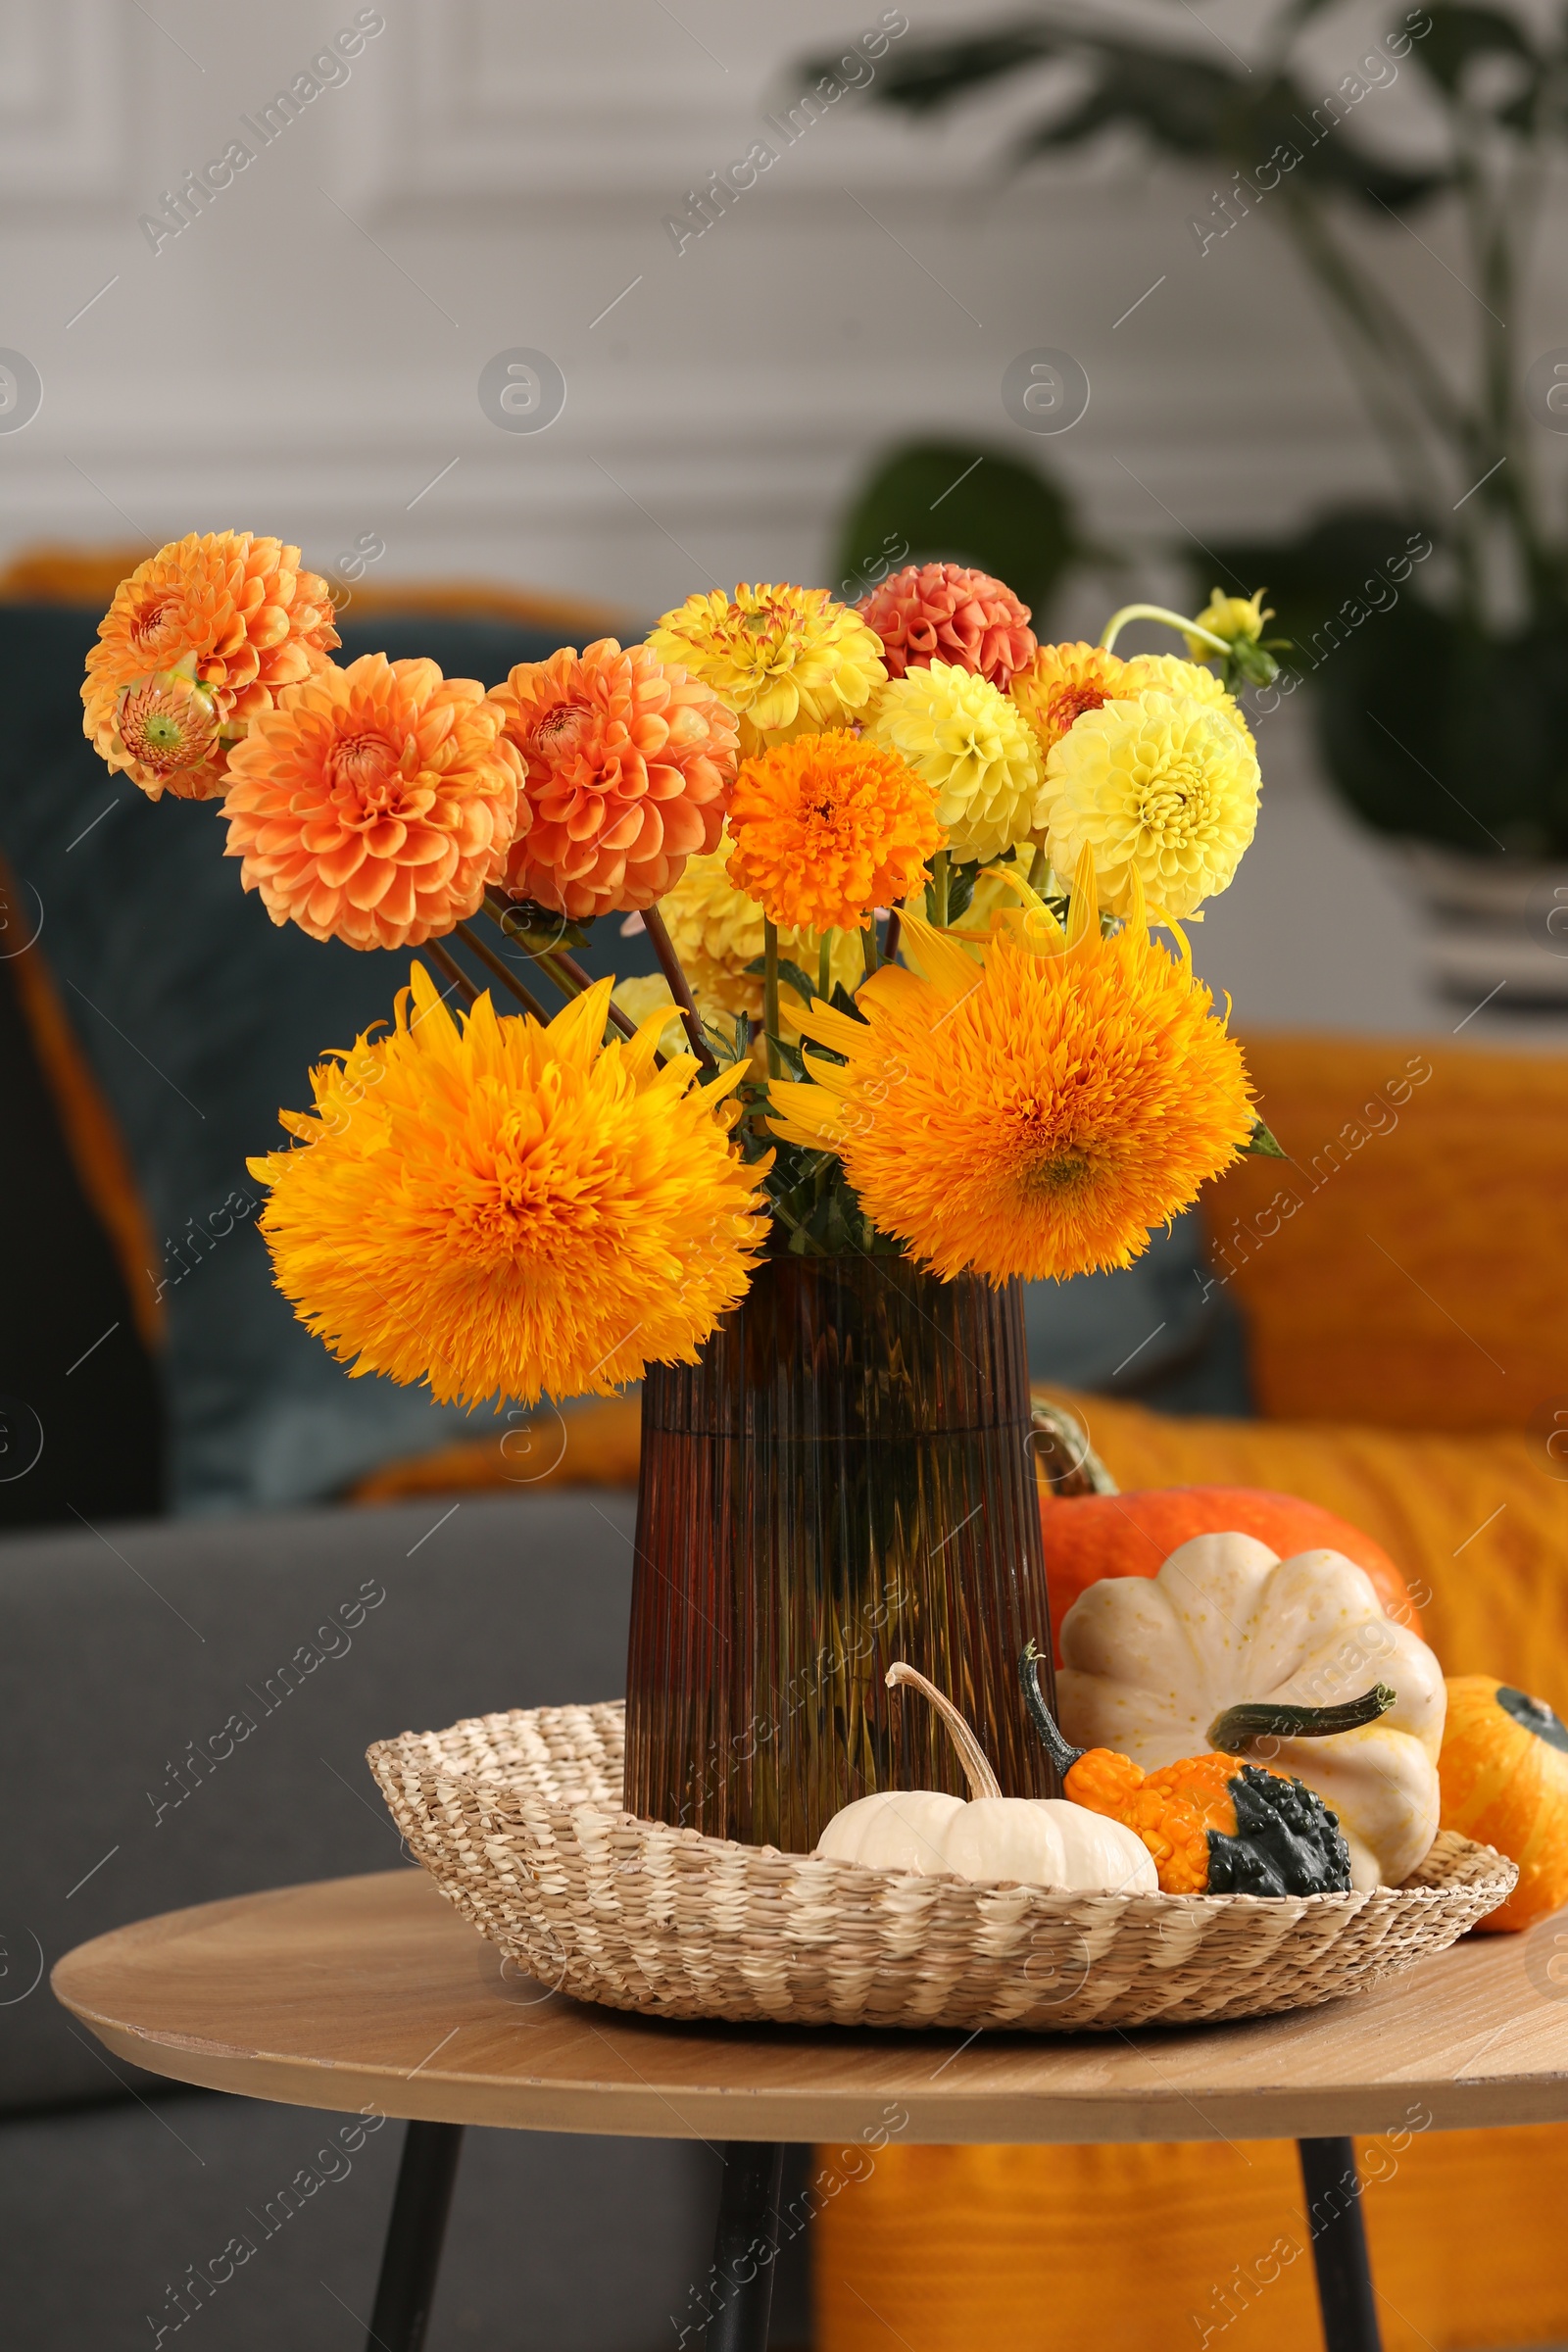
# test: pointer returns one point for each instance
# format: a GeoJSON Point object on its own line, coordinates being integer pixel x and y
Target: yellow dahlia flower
{"type": "Point", "coordinates": [1036, 1115]}
{"type": "Point", "coordinates": [1168, 673]}
{"type": "Point", "coordinates": [1163, 789]}
{"type": "Point", "coordinates": [644, 994]}
{"type": "Point", "coordinates": [1061, 683]}
{"type": "Point", "coordinates": [786, 661]}
{"type": "Point", "coordinates": [499, 1207]}
{"type": "Point", "coordinates": [717, 931]}
{"type": "Point", "coordinates": [971, 744]}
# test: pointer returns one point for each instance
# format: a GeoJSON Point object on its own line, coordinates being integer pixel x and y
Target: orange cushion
{"type": "Point", "coordinates": [1122, 2249]}
{"type": "Point", "coordinates": [1408, 1266]}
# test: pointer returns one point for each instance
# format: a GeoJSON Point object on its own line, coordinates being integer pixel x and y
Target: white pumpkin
{"type": "Point", "coordinates": [1152, 1664]}
{"type": "Point", "coordinates": [1032, 1842]}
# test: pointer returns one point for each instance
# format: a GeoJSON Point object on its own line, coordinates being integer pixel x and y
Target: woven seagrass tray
{"type": "Point", "coordinates": [518, 1820]}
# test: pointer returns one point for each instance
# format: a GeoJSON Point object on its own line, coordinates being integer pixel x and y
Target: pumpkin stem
{"type": "Point", "coordinates": [1241, 1728]}
{"type": "Point", "coordinates": [983, 1781]}
{"type": "Point", "coordinates": [1062, 1757]}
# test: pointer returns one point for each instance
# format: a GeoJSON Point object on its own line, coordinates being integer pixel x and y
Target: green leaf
{"type": "Point", "coordinates": [958, 502]}
{"type": "Point", "coordinates": [1261, 1145]}
{"type": "Point", "coordinates": [791, 1055]}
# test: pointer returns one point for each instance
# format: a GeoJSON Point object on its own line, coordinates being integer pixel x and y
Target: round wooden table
{"type": "Point", "coordinates": [373, 1995]}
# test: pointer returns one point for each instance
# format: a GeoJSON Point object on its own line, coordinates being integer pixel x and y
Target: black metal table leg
{"type": "Point", "coordinates": [1339, 2245]}
{"type": "Point", "coordinates": [411, 2257]}
{"type": "Point", "coordinates": [746, 2246]}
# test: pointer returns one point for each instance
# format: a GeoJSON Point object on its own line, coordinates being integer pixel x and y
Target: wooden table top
{"type": "Point", "coordinates": [374, 1993]}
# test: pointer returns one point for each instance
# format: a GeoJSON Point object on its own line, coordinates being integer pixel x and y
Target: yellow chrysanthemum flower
{"type": "Point", "coordinates": [1037, 1115]}
{"type": "Point", "coordinates": [717, 931]}
{"type": "Point", "coordinates": [1238, 619]}
{"type": "Point", "coordinates": [1061, 683]}
{"type": "Point", "coordinates": [1168, 673]}
{"type": "Point", "coordinates": [786, 661]}
{"type": "Point", "coordinates": [505, 1208]}
{"type": "Point", "coordinates": [972, 746]}
{"type": "Point", "coordinates": [1163, 789]}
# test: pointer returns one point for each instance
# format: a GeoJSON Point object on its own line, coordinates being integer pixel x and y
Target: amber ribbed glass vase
{"type": "Point", "coordinates": [845, 1478]}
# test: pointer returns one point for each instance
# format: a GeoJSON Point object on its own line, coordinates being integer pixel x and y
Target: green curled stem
{"type": "Point", "coordinates": [1242, 1727]}
{"type": "Point", "coordinates": [1172, 620]}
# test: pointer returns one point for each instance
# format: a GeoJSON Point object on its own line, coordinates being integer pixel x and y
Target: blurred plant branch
{"type": "Point", "coordinates": [1494, 89]}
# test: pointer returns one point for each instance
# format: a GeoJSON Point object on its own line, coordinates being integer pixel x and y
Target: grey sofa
{"type": "Point", "coordinates": [125, 1650]}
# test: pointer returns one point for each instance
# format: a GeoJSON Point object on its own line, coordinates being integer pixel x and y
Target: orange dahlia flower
{"type": "Point", "coordinates": [945, 612]}
{"type": "Point", "coordinates": [375, 803]}
{"type": "Point", "coordinates": [627, 763]}
{"type": "Point", "coordinates": [1061, 683]}
{"type": "Point", "coordinates": [231, 613]}
{"type": "Point", "coordinates": [498, 1205]}
{"type": "Point", "coordinates": [827, 827]}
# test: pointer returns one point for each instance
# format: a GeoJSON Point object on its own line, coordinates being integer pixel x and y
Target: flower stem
{"type": "Point", "coordinates": [1174, 620]}
{"type": "Point", "coordinates": [452, 971]}
{"type": "Point", "coordinates": [940, 866]}
{"type": "Point", "coordinates": [775, 1065]}
{"type": "Point", "coordinates": [824, 966]}
{"type": "Point", "coordinates": [680, 987]}
{"type": "Point", "coordinates": [869, 950]}
{"type": "Point", "coordinates": [890, 946]}
{"type": "Point", "coordinates": [498, 971]}
{"type": "Point", "coordinates": [555, 964]}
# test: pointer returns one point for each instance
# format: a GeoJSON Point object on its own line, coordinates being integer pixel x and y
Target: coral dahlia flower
{"type": "Point", "coordinates": [1061, 683]}
{"type": "Point", "coordinates": [826, 828]}
{"type": "Point", "coordinates": [788, 661]}
{"type": "Point", "coordinates": [499, 1208]}
{"type": "Point", "coordinates": [627, 765]}
{"type": "Point", "coordinates": [945, 612]}
{"type": "Point", "coordinates": [1034, 1114]}
{"type": "Point", "coordinates": [233, 614]}
{"type": "Point", "coordinates": [375, 803]}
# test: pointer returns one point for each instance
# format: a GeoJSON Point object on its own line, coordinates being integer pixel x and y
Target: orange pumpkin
{"type": "Point", "coordinates": [1088, 1537]}
{"type": "Point", "coordinates": [1503, 1777]}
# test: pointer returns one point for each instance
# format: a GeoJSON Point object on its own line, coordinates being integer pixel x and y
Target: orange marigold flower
{"type": "Point", "coordinates": [945, 612]}
{"type": "Point", "coordinates": [224, 609]}
{"type": "Point", "coordinates": [827, 827]}
{"type": "Point", "coordinates": [375, 803]}
{"type": "Point", "coordinates": [628, 762]}
{"type": "Point", "coordinates": [1034, 1113]}
{"type": "Point", "coordinates": [1061, 683]}
{"type": "Point", "coordinates": [505, 1208]}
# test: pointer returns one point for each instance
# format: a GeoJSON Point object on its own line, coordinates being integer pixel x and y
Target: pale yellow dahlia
{"type": "Point", "coordinates": [1168, 673]}
{"type": "Point", "coordinates": [717, 931]}
{"type": "Point", "coordinates": [1160, 787]}
{"type": "Point", "coordinates": [786, 661]}
{"type": "Point", "coordinates": [499, 1207]}
{"type": "Point", "coordinates": [644, 994]}
{"type": "Point", "coordinates": [971, 744]}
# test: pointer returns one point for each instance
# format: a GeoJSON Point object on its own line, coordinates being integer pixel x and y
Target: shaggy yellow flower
{"type": "Point", "coordinates": [786, 661]}
{"type": "Point", "coordinates": [717, 931]}
{"type": "Point", "coordinates": [507, 1208]}
{"type": "Point", "coordinates": [973, 746]}
{"type": "Point", "coordinates": [1034, 1115]}
{"type": "Point", "coordinates": [1168, 673]}
{"type": "Point", "coordinates": [1163, 789]}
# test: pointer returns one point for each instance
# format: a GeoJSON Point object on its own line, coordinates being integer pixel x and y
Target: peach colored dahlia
{"type": "Point", "coordinates": [375, 803]}
{"type": "Point", "coordinates": [231, 613]}
{"type": "Point", "coordinates": [628, 763]}
{"type": "Point", "coordinates": [944, 612]}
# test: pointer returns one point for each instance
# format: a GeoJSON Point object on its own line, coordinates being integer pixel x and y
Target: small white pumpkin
{"type": "Point", "coordinates": [1028, 1841]}
{"type": "Point", "coordinates": [1159, 1667]}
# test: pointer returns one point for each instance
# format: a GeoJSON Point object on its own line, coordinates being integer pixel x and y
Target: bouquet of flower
{"type": "Point", "coordinates": [901, 866]}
